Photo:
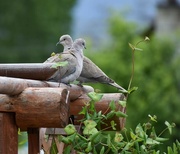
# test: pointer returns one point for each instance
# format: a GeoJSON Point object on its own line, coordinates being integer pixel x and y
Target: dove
{"type": "Point", "coordinates": [67, 43]}
{"type": "Point", "coordinates": [93, 74]}
{"type": "Point", "coordinates": [72, 70]}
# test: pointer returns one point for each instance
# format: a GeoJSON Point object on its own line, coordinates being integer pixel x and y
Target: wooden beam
{"type": "Point", "coordinates": [14, 86]}
{"type": "Point", "coordinates": [8, 134]}
{"type": "Point", "coordinates": [38, 107]}
{"type": "Point", "coordinates": [38, 71]}
{"type": "Point", "coordinates": [33, 140]}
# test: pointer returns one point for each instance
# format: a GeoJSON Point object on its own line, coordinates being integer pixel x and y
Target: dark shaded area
{"type": "Point", "coordinates": [30, 29]}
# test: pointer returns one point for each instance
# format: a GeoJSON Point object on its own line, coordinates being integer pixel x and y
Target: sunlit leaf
{"type": "Point", "coordinates": [70, 129]}
{"type": "Point", "coordinates": [154, 118]}
{"type": "Point", "coordinates": [88, 131]}
{"type": "Point", "coordinates": [123, 103]}
{"type": "Point", "coordinates": [58, 64]}
{"type": "Point", "coordinates": [131, 46]}
{"type": "Point", "coordinates": [138, 49]}
{"type": "Point", "coordinates": [53, 54]}
{"type": "Point", "coordinates": [132, 90]}
{"type": "Point", "coordinates": [151, 141]}
{"type": "Point", "coordinates": [113, 124]}
{"type": "Point", "coordinates": [90, 124]}
{"type": "Point", "coordinates": [118, 137]}
{"type": "Point", "coordinates": [169, 126]}
{"type": "Point", "coordinates": [121, 114]}
{"type": "Point", "coordinates": [95, 96]}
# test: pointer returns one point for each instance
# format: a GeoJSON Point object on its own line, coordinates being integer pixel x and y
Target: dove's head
{"type": "Point", "coordinates": [79, 44]}
{"type": "Point", "coordinates": [66, 41]}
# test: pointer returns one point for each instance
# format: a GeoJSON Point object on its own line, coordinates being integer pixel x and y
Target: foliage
{"type": "Point", "coordinates": [30, 29]}
{"type": "Point", "coordinates": [156, 75]}
{"type": "Point", "coordinates": [143, 139]}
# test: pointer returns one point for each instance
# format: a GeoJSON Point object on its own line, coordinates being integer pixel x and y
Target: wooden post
{"type": "Point", "coordinates": [33, 140]}
{"type": "Point", "coordinates": [8, 134]}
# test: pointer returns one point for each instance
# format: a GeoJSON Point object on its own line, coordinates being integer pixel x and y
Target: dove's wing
{"type": "Point", "coordinates": [92, 73]}
{"type": "Point", "coordinates": [63, 71]}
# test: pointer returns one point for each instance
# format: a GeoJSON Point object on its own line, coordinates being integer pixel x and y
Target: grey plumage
{"type": "Point", "coordinates": [67, 43]}
{"type": "Point", "coordinates": [72, 70]}
{"type": "Point", "coordinates": [90, 72]}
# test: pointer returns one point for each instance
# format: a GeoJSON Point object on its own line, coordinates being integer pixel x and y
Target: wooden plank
{"type": "Point", "coordinates": [33, 140]}
{"type": "Point", "coordinates": [8, 134]}
{"type": "Point", "coordinates": [37, 71]}
{"type": "Point", "coordinates": [14, 86]}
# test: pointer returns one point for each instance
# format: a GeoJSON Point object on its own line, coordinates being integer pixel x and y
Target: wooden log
{"type": "Point", "coordinates": [33, 140]}
{"type": "Point", "coordinates": [38, 107]}
{"type": "Point", "coordinates": [14, 86]}
{"type": "Point", "coordinates": [8, 134]}
{"type": "Point", "coordinates": [102, 105]}
{"type": "Point", "coordinates": [38, 71]}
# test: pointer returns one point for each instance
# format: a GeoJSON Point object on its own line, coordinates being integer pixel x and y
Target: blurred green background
{"type": "Point", "coordinates": [30, 29]}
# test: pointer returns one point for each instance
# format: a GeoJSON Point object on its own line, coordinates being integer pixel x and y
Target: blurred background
{"type": "Point", "coordinates": [29, 31]}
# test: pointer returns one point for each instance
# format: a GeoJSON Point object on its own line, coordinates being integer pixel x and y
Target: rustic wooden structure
{"type": "Point", "coordinates": [30, 104]}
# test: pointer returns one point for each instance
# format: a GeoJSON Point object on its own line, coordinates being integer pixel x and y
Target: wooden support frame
{"type": "Point", "coordinates": [30, 104]}
{"type": "Point", "coordinates": [8, 134]}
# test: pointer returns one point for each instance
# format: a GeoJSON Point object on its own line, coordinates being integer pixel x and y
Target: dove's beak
{"type": "Point", "coordinates": [57, 43]}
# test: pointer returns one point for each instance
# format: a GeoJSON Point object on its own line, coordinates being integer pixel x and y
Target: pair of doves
{"type": "Point", "coordinates": [89, 72]}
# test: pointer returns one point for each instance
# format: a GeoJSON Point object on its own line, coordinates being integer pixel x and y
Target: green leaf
{"type": "Point", "coordinates": [118, 137]}
{"type": "Point", "coordinates": [109, 140]}
{"type": "Point", "coordinates": [121, 114]}
{"type": "Point", "coordinates": [70, 129]}
{"type": "Point", "coordinates": [83, 111]}
{"type": "Point", "coordinates": [110, 114]}
{"type": "Point", "coordinates": [132, 46]}
{"type": "Point", "coordinates": [95, 96]}
{"type": "Point", "coordinates": [102, 150]}
{"type": "Point", "coordinates": [113, 124]}
{"type": "Point", "coordinates": [169, 126]}
{"type": "Point", "coordinates": [160, 139]}
{"type": "Point", "coordinates": [133, 136]}
{"type": "Point", "coordinates": [53, 54]}
{"type": "Point", "coordinates": [94, 136]}
{"type": "Point", "coordinates": [19, 131]}
{"type": "Point", "coordinates": [112, 105]}
{"type": "Point", "coordinates": [89, 147]}
{"type": "Point", "coordinates": [151, 141]}
{"type": "Point", "coordinates": [131, 90]}
{"type": "Point", "coordinates": [67, 150]}
{"type": "Point", "coordinates": [58, 64]}
{"type": "Point", "coordinates": [90, 124]}
{"type": "Point", "coordinates": [138, 49]}
{"type": "Point", "coordinates": [123, 103]}
{"type": "Point", "coordinates": [154, 118]}
{"type": "Point", "coordinates": [91, 131]}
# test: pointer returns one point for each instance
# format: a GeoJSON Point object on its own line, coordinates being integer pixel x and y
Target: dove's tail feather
{"type": "Point", "coordinates": [114, 84]}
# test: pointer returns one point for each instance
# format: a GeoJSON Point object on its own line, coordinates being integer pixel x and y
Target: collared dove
{"type": "Point", "coordinates": [66, 41]}
{"type": "Point", "coordinates": [72, 70]}
{"type": "Point", "coordinates": [90, 72]}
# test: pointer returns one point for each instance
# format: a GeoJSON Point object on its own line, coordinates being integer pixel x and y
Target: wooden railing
{"type": "Point", "coordinates": [28, 102]}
